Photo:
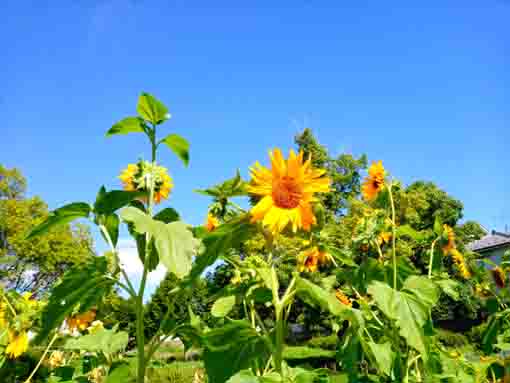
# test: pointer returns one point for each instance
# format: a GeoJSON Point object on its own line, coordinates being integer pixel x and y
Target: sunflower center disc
{"type": "Point", "coordinates": [286, 193]}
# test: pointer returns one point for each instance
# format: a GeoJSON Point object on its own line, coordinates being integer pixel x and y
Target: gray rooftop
{"type": "Point", "coordinates": [493, 240]}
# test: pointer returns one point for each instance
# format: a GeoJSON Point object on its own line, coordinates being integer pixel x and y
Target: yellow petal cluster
{"type": "Point", "coordinates": [56, 359]}
{"type": "Point", "coordinates": [137, 177]}
{"type": "Point", "coordinates": [211, 222]}
{"type": "Point", "coordinates": [374, 183]}
{"type": "Point", "coordinates": [312, 258]}
{"type": "Point", "coordinates": [450, 244]}
{"type": "Point", "coordinates": [342, 298]}
{"type": "Point", "coordinates": [81, 321]}
{"type": "Point", "coordinates": [459, 260]}
{"type": "Point", "coordinates": [18, 344]}
{"type": "Point", "coordinates": [287, 192]}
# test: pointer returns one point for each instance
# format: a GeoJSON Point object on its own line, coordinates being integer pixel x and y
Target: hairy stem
{"type": "Point", "coordinates": [431, 257]}
{"type": "Point", "coordinates": [393, 237]}
{"type": "Point", "coordinates": [29, 379]}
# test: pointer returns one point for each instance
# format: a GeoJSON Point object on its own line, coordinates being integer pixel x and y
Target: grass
{"type": "Point", "coordinates": [177, 372]}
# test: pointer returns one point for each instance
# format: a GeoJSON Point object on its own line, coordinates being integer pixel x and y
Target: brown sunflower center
{"type": "Point", "coordinates": [286, 192]}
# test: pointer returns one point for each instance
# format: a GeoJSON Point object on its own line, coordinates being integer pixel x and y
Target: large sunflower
{"type": "Point", "coordinates": [287, 191]}
{"type": "Point", "coordinates": [374, 183]}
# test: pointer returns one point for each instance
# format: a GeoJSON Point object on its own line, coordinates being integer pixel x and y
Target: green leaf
{"type": "Point", "coordinates": [111, 223]}
{"type": "Point", "coordinates": [302, 352]}
{"type": "Point", "coordinates": [109, 202]}
{"type": "Point", "coordinates": [104, 340]}
{"type": "Point", "coordinates": [317, 296]}
{"type": "Point", "coordinates": [410, 307]}
{"type": "Point", "coordinates": [176, 247]}
{"type": "Point", "coordinates": [125, 126]}
{"type": "Point", "coordinates": [220, 241]}
{"type": "Point", "coordinates": [120, 372]}
{"type": "Point", "coordinates": [450, 288]}
{"type": "Point", "coordinates": [438, 226]}
{"type": "Point", "coordinates": [151, 109]}
{"type": "Point", "coordinates": [167, 215]}
{"type": "Point", "coordinates": [61, 216]}
{"type": "Point", "coordinates": [174, 242]}
{"type": "Point", "coordinates": [231, 348]}
{"type": "Point", "coordinates": [179, 146]}
{"type": "Point", "coordinates": [84, 285]}
{"type": "Point", "coordinates": [223, 306]}
{"type": "Point", "coordinates": [383, 356]}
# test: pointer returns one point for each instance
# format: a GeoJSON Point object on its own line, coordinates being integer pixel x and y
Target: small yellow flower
{"type": "Point", "coordinates": [450, 244]}
{"type": "Point", "coordinates": [95, 326]}
{"type": "Point", "coordinates": [287, 192]}
{"type": "Point", "coordinates": [211, 222]}
{"type": "Point", "coordinates": [18, 344]}
{"type": "Point", "coordinates": [342, 298]}
{"type": "Point", "coordinates": [138, 177]}
{"type": "Point", "coordinates": [56, 359]}
{"type": "Point", "coordinates": [96, 375]}
{"type": "Point", "coordinates": [374, 183]}
{"type": "Point", "coordinates": [81, 321]}
{"type": "Point", "coordinates": [383, 238]}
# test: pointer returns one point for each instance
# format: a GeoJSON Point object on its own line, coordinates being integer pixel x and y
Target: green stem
{"type": "Point", "coordinates": [29, 379]}
{"type": "Point", "coordinates": [393, 237]}
{"type": "Point", "coordinates": [278, 353]}
{"type": "Point", "coordinates": [431, 257]}
{"type": "Point", "coordinates": [140, 336]}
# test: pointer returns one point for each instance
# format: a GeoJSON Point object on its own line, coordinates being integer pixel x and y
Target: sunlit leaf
{"type": "Point", "coordinates": [125, 126]}
{"type": "Point", "coordinates": [151, 109]}
{"type": "Point", "coordinates": [179, 146]}
{"type": "Point", "coordinates": [61, 216]}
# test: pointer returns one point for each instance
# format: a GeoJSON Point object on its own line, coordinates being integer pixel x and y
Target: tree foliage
{"type": "Point", "coordinates": [34, 264]}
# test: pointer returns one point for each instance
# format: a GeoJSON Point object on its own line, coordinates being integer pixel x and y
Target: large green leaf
{"type": "Point", "coordinates": [223, 306]}
{"type": "Point", "coordinates": [410, 307]}
{"type": "Point", "coordinates": [111, 223]}
{"type": "Point", "coordinates": [104, 340]}
{"type": "Point", "coordinates": [125, 126]}
{"type": "Point", "coordinates": [61, 216]}
{"type": "Point", "coordinates": [231, 348]}
{"type": "Point", "coordinates": [176, 246]}
{"type": "Point", "coordinates": [302, 352]}
{"type": "Point", "coordinates": [174, 242]}
{"type": "Point", "coordinates": [383, 356]}
{"type": "Point", "coordinates": [317, 296]}
{"type": "Point", "coordinates": [120, 372]}
{"type": "Point", "coordinates": [178, 145]}
{"type": "Point", "coordinates": [219, 242]}
{"type": "Point", "coordinates": [84, 285]}
{"type": "Point", "coordinates": [108, 202]}
{"type": "Point", "coordinates": [167, 215]}
{"type": "Point", "coordinates": [151, 109]}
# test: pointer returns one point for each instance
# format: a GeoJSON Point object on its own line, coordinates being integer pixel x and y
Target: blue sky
{"type": "Point", "coordinates": [424, 88]}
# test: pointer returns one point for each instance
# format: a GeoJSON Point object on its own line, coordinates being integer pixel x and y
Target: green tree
{"type": "Point", "coordinates": [345, 172]}
{"type": "Point", "coordinates": [35, 264]}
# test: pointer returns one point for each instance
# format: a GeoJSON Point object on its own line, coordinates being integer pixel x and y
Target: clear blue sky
{"type": "Point", "coordinates": [424, 88]}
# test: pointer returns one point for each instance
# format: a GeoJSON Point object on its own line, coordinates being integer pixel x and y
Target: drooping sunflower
{"type": "Point", "coordinates": [287, 191]}
{"type": "Point", "coordinates": [459, 260]}
{"type": "Point", "coordinates": [310, 259]}
{"type": "Point", "coordinates": [499, 277]}
{"type": "Point", "coordinates": [211, 222]}
{"type": "Point", "coordinates": [342, 298]}
{"type": "Point", "coordinates": [138, 177]}
{"type": "Point", "coordinates": [450, 243]}
{"type": "Point", "coordinates": [18, 344]}
{"type": "Point", "coordinates": [81, 321]}
{"type": "Point", "coordinates": [374, 183]}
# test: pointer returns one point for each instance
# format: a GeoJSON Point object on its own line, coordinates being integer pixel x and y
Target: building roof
{"type": "Point", "coordinates": [490, 241]}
